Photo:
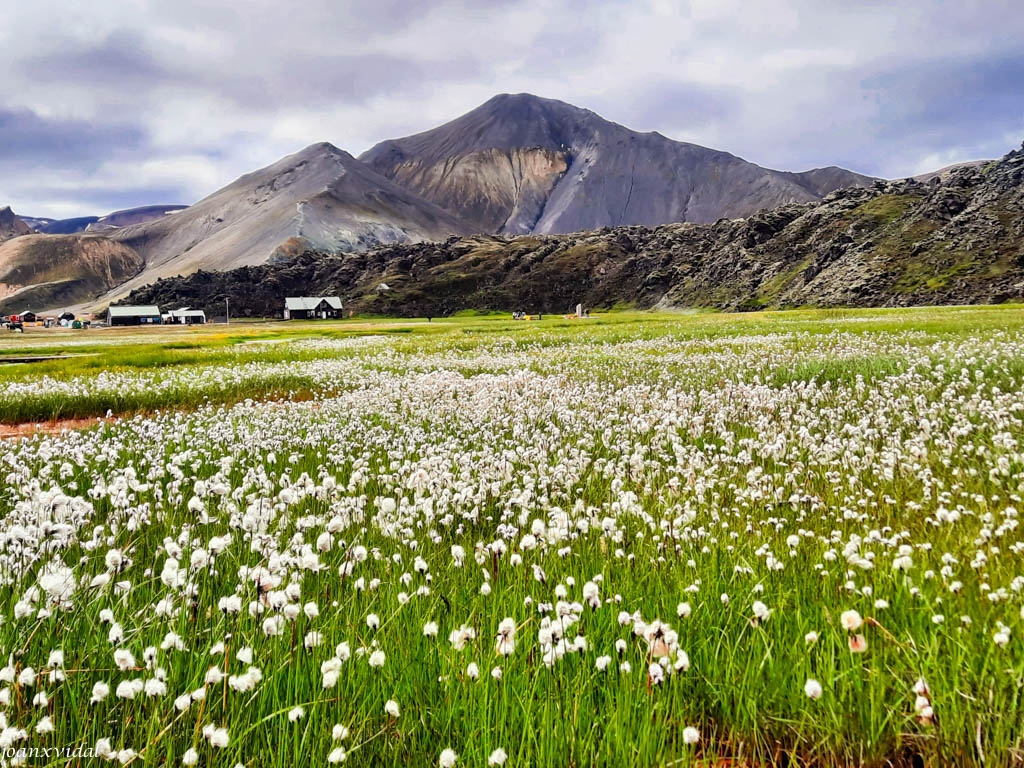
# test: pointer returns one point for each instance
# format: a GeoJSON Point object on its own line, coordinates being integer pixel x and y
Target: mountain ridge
{"type": "Point", "coordinates": [516, 165]}
{"type": "Point", "coordinates": [521, 164]}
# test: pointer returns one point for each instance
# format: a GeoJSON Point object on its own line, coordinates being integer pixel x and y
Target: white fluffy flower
{"type": "Point", "coordinates": [761, 611]}
{"type": "Point", "coordinates": [851, 620]}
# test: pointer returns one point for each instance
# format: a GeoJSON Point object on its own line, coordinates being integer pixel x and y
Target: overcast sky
{"type": "Point", "coordinates": [109, 104]}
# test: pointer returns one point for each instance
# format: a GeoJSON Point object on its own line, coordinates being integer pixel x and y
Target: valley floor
{"type": "Point", "coordinates": [638, 539]}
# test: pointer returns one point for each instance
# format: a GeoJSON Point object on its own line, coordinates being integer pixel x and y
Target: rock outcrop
{"type": "Point", "coordinates": [11, 225]}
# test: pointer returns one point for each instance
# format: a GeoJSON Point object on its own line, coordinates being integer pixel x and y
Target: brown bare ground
{"type": "Point", "coordinates": [11, 431]}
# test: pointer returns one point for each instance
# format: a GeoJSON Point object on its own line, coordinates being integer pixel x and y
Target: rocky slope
{"type": "Point", "coordinates": [957, 239]}
{"type": "Point", "coordinates": [522, 164]}
{"type": "Point", "coordinates": [11, 225]}
{"type": "Point", "coordinates": [52, 271]}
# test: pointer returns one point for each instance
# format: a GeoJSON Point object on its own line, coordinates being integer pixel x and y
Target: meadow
{"type": "Point", "coordinates": [641, 539]}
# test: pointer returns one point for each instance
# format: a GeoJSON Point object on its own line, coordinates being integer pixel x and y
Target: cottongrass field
{"type": "Point", "coordinates": [701, 540]}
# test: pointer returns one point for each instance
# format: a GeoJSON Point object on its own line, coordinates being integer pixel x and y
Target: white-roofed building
{"type": "Point", "coordinates": [185, 316]}
{"type": "Point", "coordinates": [133, 315]}
{"type": "Point", "coordinates": [312, 307]}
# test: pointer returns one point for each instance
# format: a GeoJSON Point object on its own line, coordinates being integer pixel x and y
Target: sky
{"type": "Point", "coordinates": [117, 103]}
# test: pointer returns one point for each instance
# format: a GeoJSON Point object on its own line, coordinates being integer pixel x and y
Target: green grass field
{"type": "Point", "coordinates": [640, 539]}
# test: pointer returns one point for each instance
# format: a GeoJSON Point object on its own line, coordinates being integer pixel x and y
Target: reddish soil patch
{"type": "Point", "coordinates": [57, 426]}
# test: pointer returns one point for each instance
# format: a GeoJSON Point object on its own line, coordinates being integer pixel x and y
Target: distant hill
{"type": "Point", "coordinates": [132, 216]}
{"type": "Point", "coordinates": [521, 164]}
{"type": "Point", "coordinates": [113, 220]}
{"type": "Point", "coordinates": [63, 226]}
{"type": "Point", "coordinates": [958, 240]}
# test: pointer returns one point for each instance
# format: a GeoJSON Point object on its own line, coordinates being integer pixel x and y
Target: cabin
{"type": "Point", "coordinates": [131, 315]}
{"type": "Point", "coordinates": [312, 308]}
{"type": "Point", "coordinates": [185, 316]}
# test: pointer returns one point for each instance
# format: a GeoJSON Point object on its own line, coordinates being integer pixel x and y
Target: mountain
{"type": "Point", "coordinates": [131, 216]}
{"type": "Point", "coordinates": [36, 223]}
{"type": "Point", "coordinates": [521, 164]}
{"type": "Point", "coordinates": [321, 197]}
{"type": "Point", "coordinates": [63, 226]}
{"type": "Point", "coordinates": [113, 220]}
{"type": "Point", "coordinates": [52, 271]}
{"type": "Point", "coordinates": [11, 225]}
{"type": "Point", "coordinates": [957, 240]}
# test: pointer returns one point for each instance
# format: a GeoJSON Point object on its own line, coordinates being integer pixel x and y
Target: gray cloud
{"type": "Point", "coordinates": [121, 104]}
{"type": "Point", "coordinates": [30, 141]}
{"type": "Point", "coordinates": [120, 61]}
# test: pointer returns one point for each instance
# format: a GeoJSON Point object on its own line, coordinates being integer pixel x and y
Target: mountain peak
{"type": "Point", "coordinates": [11, 225]}
{"type": "Point", "coordinates": [520, 163]}
{"type": "Point", "coordinates": [322, 148]}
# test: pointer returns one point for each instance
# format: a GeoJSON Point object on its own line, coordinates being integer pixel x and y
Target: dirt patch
{"type": "Point", "coordinates": [56, 426]}
{"type": "Point", "coordinates": [9, 431]}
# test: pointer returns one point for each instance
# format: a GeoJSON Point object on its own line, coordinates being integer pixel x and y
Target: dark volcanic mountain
{"type": "Point", "coordinates": [11, 225]}
{"type": "Point", "coordinates": [521, 164]}
{"type": "Point", "coordinates": [958, 239]}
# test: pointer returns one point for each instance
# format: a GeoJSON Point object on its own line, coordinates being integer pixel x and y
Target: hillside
{"type": "Point", "coordinates": [521, 164]}
{"type": "Point", "coordinates": [53, 271]}
{"type": "Point", "coordinates": [956, 240]}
